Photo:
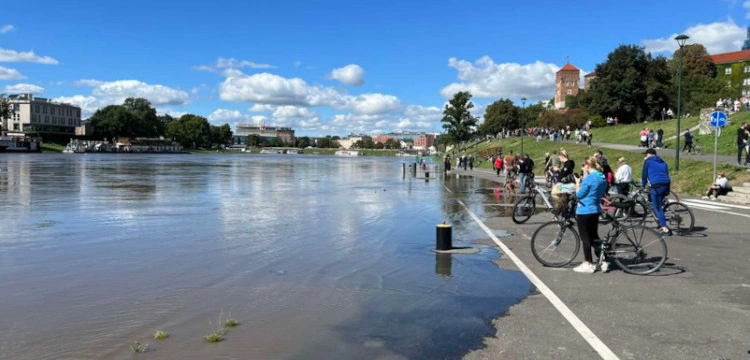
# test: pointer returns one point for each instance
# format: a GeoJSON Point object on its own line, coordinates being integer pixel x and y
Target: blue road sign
{"type": "Point", "coordinates": [718, 119]}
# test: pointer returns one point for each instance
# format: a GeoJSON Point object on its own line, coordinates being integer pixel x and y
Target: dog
{"type": "Point", "coordinates": [510, 187]}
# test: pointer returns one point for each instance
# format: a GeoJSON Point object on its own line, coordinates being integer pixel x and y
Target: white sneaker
{"type": "Point", "coordinates": [604, 267]}
{"type": "Point", "coordinates": [714, 198]}
{"type": "Point", "coordinates": [586, 268]}
{"type": "Point", "coordinates": [704, 197]}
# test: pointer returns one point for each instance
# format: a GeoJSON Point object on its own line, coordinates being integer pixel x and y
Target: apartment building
{"type": "Point", "coordinates": [33, 114]}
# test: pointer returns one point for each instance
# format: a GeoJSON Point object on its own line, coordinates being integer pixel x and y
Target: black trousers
{"type": "Point", "coordinates": [588, 228]}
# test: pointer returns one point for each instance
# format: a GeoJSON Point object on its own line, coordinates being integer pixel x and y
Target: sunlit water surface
{"type": "Point", "coordinates": [315, 257]}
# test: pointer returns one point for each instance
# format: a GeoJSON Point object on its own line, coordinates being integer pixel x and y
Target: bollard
{"type": "Point", "coordinates": [427, 175]}
{"type": "Point", "coordinates": [444, 238]}
{"type": "Point", "coordinates": [403, 167]}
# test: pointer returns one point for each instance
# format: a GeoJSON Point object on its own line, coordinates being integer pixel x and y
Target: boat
{"type": "Point", "coordinates": [20, 143]}
{"type": "Point", "coordinates": [347, 153]}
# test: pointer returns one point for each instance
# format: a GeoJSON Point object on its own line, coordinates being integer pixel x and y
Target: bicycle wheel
{"type": "Point", "coordinates": [638, 250]}
{"type": "Point", "coordinates": [523, 209]}
{"type": "Point", "coordinates": [555, 243]}
{"type": "Point", "coordinates": [680, 218]}
{"type": "Point", "coordinates": [671, 197]}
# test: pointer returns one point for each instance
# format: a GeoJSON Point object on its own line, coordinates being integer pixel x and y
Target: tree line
{"type": "Point", "coordinates": [631, 84]}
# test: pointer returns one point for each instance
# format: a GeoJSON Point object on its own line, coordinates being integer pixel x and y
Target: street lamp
{"type": "Point", "coordinates": [680, 41]}
{"type": "Point", "coordinates": [523, 130]}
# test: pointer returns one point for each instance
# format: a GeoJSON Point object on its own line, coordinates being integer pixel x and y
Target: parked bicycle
{"type": "Point", "coordinates": [634, 248]}
{"type": "Point", "coordinates": [525, 207]}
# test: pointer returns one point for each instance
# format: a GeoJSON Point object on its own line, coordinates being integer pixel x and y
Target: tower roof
{"type": "Point", "coordinates": [569, 67]}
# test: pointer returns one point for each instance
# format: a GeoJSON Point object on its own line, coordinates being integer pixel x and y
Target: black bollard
{"type": "Point", "coordinates": [444, 238]}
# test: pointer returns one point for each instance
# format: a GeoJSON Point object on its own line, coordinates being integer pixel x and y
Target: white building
{"type": "Point", "coordinates": [41, 115]}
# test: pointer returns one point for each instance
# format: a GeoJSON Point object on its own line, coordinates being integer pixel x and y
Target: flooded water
{"type": "Point", "coordinates": [315, 257]}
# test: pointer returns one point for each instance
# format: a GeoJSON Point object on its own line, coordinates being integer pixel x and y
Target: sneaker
{"type": "Point", "coordinates": [714, 198]}
{"type": "Point", "coordinates": [586, 268]}
{"type": "Point", "coordinates": [604, 267]}
{"type": "Point", "coordinates": [704, 197]}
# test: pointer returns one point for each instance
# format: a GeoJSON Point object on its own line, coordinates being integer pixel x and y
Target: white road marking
{"type": "Point", "coordinates": [714, 203]}
{"type": "Point", "coordinates": [577, 324]}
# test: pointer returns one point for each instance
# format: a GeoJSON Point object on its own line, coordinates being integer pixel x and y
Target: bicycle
{"type": "Point", "coordinates": [636, 249]}
{"type": "Point", "coordinates": [695, 149]}
{"type": "Point", "coordinates": [525, 207]}
{"type": "Point", "coordinates": [680, 218]}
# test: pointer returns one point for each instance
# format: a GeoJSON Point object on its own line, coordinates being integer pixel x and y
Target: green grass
{"type": "Point", "coordinates": [52, 147]}
{"type": "Point", "coordinates": [138, 348]}
{"type": "Point", "coordinates": [161, 335]}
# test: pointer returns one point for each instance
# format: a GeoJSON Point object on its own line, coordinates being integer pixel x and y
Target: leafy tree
{"type": "Point", "coordinates": [700, 87]}
{"type": "Point", "coordinates": [221, 135]}
{"type": "Point", "coordinates": [147, 123]}
{"type": "Point", "coordinates": [574, 118]}
{"type": "Point", "coordinates": [113, 121]}
{"type": "Point", "coordinates": [190, 130]}
{"type": "Point", "coordinates": [501, 114]}
{"type": "Point", "coordinates": [166, 119]}
{"type": "Point", "coordinates": [392, 143]}
{"type": "Point", "coordinates": [303, 142]}
{"type": "Point", "coordinates": [6, 112]}
{"type": "Point", "coordinates": [630, 85]}
{"type": "Point", "coordinates": [457, 120]}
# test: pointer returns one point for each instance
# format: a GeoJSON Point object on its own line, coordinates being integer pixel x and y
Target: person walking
{"type": "Point", "coordinates": [589, 190]}
{"type": "Point", "coordinates": [659, 137]}
{"type": "Point", "coordinates": [498, 164]}
{"type": "Point", "coordinates": [447, 163]}
{"type": "Point", "coordinates": [741, 141]}
{"type": "Point", "coordinates": [688, 142]}
{"type": "Point", "coordinates": [656, 173]}
{"type": "Point", "coordinates": [525, 170]}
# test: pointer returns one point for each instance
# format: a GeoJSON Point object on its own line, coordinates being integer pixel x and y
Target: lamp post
{"type": "Point", "coordinates": [680, 41]}
{"type": "Point", "coordinates": [523, 124]}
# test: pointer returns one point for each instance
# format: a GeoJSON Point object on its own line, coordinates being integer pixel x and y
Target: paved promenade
{"type": "Point", "coordinates": [696, 307]}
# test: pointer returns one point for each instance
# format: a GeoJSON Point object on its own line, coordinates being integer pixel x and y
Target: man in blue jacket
{"type": "Point", "coordinates": [656, 173]}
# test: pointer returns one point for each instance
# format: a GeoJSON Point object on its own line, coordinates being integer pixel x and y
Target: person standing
{"type": "Point", "coordinates": [589, 190]}
{"type": "Point", "coordinates": [741, 141]}
{"type": "Point", "coordinates": [447, 163]}
{"type": "Point", "coordinates": [656, 173]}
{"type": "Point", "coordinates": [471, 162]}
{"type": "Point", "coordinates": [498, 164]}
{"type": "Point", "coordinates": [623, 177]}
{"type": "Point", "coordinates": [659, 137]}
{"type": "Point", "coordinates": [525, 169]}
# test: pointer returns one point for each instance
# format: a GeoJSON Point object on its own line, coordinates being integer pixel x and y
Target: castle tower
{"type": "Point", "coordinates": [566, 83]}
{"type": "Point", "coordinates": [746, 44]}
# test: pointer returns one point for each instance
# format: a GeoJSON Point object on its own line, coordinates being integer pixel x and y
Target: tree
{"type": "Point", "coordinates": [630, 85]}
{"type": "Point", "coordinates": [113, 121]}
{"type": "Point", "coordinates": [457, 119]}
{"type": "Point", "coordinates": [190, 131]}
{"type": "Point", "coordinates": [700, 87]}
{"type": "Point", "coordinates": [501, 114]}
{"type": "Point", "coordinates": [6, 112]}
{"type": "Point", "coordinates": [303, 142]}
{"type": "Point", "coordinates": [147, 123]}
{"type": "Point", "coordinates": [221, 135]}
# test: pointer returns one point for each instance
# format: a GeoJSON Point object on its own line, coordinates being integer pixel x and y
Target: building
{"type": "Point", "coordinates": [40, 115]}
{"type": "Point", "coordinates": [566, 83]}
{"type": "Point", "coordinates": [381, 139]}
{"type": "Point", "coordinates": [285, 134]}
{"type": "Point", "coordinates": [424, 142]}
{"type": "Point", "coordinates": [587, 79]}
{"type": "Point", "coordinates": [734, 67]}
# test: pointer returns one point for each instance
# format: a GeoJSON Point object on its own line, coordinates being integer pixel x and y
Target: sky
{"type": "Point", "coordinates": [333, 67]}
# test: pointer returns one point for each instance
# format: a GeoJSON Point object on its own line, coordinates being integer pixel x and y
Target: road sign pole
{"type": "Point", "coordinates": [716, 147]}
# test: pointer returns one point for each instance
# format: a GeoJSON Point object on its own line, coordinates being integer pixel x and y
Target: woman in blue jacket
{"type": "Point", "coordinates": [589, 190]}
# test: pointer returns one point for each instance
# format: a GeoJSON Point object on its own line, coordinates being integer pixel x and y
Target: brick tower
{"type": "Point", "coordinates": [566, 83]}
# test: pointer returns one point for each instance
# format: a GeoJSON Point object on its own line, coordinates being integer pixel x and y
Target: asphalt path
{"type": "Point", "coordinates": [696, 307]}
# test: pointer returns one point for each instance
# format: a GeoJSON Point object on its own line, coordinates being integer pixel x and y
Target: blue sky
{"type": "Point", "coordinates": [332, 67]}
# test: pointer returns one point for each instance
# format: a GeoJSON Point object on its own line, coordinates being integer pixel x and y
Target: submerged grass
{"type": "Point", "coordinates": [219, 329]}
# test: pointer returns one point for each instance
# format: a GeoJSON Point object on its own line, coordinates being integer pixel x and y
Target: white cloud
{"type": "Point", "coordinates": [156, 94]}
{"type": "Point", "coordinates": [232, 63]}
{"type": "Point", "coordinates": [351, 74]}
{"type": "Point", "coordinates": [231, 117]}
{"type": "Point", "coordinates": [292, 112]}
{"type": "Point", "coordinates": [6, 29]}
{"type": "Point", "coordinates": [10, 74]}
{"type": "Point", "coordinates": [297, 64]}
{"type": "Point", "coordinates": [233, 73]}
{"type": "Point", "coordinates": [487, 80]}
{"type": "Point", "coordinates": [262, 108]}
{"type": "Point", "coordinates": [717, 38]}
{"type": "Point", "coordinates": [23, 89]}
{"type": "Point", "coordinates": [115, 93]}
{"type": "Point", "coordinates": [28, 56]}
{"type": "Point", "coordinates": [88, 104]}
{"type": "Point", "coordinates": [270, 89]}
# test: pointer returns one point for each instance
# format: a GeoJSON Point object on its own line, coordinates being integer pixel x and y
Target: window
{"type": "Point", "coordinates": [569, 92]}
{"type": "Point", "coordinates": [746, 82]}
{"type": "Point", "coordinates": [747, 68]}
{"type": "Point", "coordinates": [728, 71]}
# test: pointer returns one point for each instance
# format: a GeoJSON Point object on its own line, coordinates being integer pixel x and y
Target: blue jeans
{"type": "Point", "coordinates": [657, 201]}
{"type": "Point", "coordinates": [522, 179]}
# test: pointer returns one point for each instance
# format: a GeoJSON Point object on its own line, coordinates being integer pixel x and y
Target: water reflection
{"type": "Point", "coordinates": [100, 250]}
